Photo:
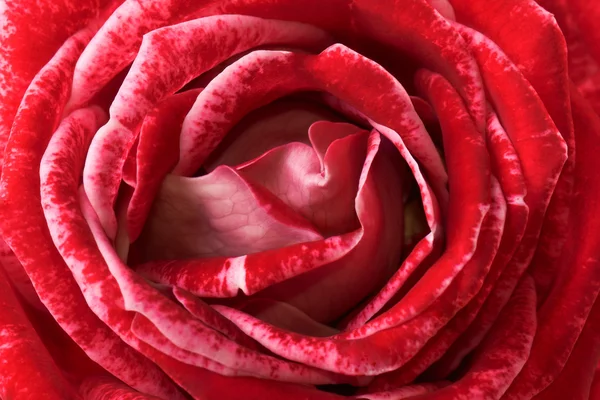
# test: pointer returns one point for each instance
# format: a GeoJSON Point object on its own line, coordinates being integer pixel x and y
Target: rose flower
{"type": "Point", "coordinates": [300, 199]}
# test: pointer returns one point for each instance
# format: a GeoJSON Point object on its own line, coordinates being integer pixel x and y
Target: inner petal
{"type": "Point", "coordinates": [219, 214]}
{"type": "Point", "coordinates": [325, 294]}
{"type": "Point", "coordinates": [283, 121]}
{"type": "Point", "coordinates": [324, 189]}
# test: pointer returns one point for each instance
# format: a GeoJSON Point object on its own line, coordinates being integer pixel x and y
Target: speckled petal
{"type": "Point", "coordinates": [25, 231]}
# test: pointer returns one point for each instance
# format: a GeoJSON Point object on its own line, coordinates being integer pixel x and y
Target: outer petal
{"type": "Point", "coordinates": [460, 137]}
{"type": "Point", "coordinates": [502, 354]}
{"type": "Point", "coordinates": [564, 314]}
{"type": "Point", "coordinates": [542, 58]}
{"type": "Point", "coordinates": [97, 388]}
{"type": "Point", "coordinates": [30, 35]}
{"type": "Point", "coordinates": [24, 358]}
{"type": "Point", "coordinates": [23, 224]}
{"type": "Point", "coordinates": [470, 323]}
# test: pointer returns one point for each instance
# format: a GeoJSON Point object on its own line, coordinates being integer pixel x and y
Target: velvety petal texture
{"type": "Point", "coordinates": [277, 199]}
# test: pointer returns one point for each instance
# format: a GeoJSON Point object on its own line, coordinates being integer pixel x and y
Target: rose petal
{"type": "Point", "coordinates": [24, 356]}
{"type": "Point", "coordinates": [543, 60]}
{"type": "Point", "coordinates": [31, 34]}
{"type": "Point", "coordinates": [576, 379]}
{"type": "Point", "coordinates": [281, 122]}
{"type": "Point", "coordinates": [119, 39]}
{"type": "Point", "coordinates": [249, 82]}
{"type": "Point", "coordinates": [209, 317]}
{"type": "Point", "coordinates": [469, 323]}
{"type": "Point", "coordinates": [429, 37]}
{"type": "Point", "coordinates": [168, 50]}
{"type": "Point", "coordinates": [96, 388]}
{"type": "Point", "coordinates": [285, 316]}
{"type": "Point", "coordinates": [319, 183]}
{"type": "Point", "coordinates": [18, 276]}
{"type": "Point", "coordinates": [563, 315]}
{"type": "Point", "coordinates": [112, 290]}
{"type": "Point", "coordinates": [349, 356]}
{"type": "Point", "coordinates": [156, 154]}
{"type": "Point", "coordinates": [502, 354]}
{"type": "Point", "coordinates": [24, 226]}
{"type": "Point", "coordinates": [460, 138]}
{"type": "Point", "coordinates": [403, 393]}
{"type": "Point", "coordinates": [374, 258]}
{"type": "Point", "coordinates": [218, 214]}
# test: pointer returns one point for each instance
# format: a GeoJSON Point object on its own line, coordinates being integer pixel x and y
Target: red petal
{"type": "Point", "coordinates": [31, 34]}
{"type": "Point", "coordinates": [24, 226]}
{"type": "Point", "coordinates": [24, 357]}
{"type": "Point", "coordinates": [542, 58]}
{"type": "Point", "coordinates": [502, 354]}
{"type": "Point", "coordinates": [97, 388]}
{"type": "Point", "coordinates": [563, 315]}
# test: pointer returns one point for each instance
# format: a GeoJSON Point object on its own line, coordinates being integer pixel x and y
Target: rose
{"type": "Point", "coordinates": [491, 294]}
{"type": "Point", "coordinates": [496, 300]}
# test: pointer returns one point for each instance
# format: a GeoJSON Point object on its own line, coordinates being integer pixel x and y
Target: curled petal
{"type": "Point", "coordinates": [167, 50]}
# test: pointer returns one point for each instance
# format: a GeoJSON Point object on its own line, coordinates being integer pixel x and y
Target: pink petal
{"type": "Point", "coordinates": [320, 184]}
{"type": "Point", "coordinates": [284, 121]}
{"type": "Point", "coordinates": [375, 257]}
{"type": "Point", "coordinates": [219, 214]}
{"type": "Point", "coordinates": [155, 156]}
